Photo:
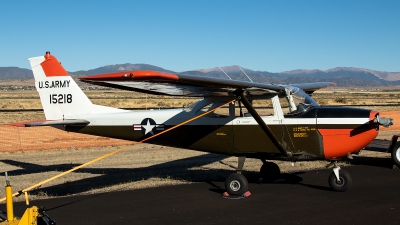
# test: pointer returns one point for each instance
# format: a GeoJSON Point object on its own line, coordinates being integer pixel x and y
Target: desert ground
{"type": "Point", "coordinates": [145, 165]}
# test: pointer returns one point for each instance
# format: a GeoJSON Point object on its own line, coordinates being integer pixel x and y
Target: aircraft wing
{"type": "Point", "coordinates": [161, 83]}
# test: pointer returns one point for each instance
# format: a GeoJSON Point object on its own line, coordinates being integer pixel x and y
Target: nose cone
{"type": "Point", "coordinates": [349, 133]}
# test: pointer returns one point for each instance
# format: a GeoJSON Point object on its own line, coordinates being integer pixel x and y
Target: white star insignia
{"type": "Point", "coordinates": [148, 128]}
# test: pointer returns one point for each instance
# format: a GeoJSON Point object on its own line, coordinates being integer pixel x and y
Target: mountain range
{"type": "Point", "coordinates": [343, 76]}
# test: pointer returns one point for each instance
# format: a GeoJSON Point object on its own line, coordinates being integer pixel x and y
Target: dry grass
{"type": "Point", "coordinates": [383, 100]}
{"type": "Point", "coordinates": [126, 99]}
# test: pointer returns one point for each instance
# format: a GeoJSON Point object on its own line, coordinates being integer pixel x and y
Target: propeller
{"type": "Point", "coordinates": [386, 122]}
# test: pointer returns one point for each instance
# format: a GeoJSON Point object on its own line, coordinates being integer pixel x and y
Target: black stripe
{"type": "Point", "coordinates": [342, 112]}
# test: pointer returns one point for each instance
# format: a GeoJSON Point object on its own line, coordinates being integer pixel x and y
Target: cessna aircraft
{"type": "Point", "coordinates": [305, 131]}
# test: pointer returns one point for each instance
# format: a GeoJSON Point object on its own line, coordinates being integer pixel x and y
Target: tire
{"type": "Point", "coordinates": [396, 154]}
{"type": "Point", "coordinates": [236, 184]}
{"type": "Point", "coordinates": [270, 171]}
{"type": "Point", "coordinates": [345, 181]}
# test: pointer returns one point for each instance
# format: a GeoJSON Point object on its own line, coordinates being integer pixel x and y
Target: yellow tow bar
{"type": "Point", "coordinates": [30, 216]}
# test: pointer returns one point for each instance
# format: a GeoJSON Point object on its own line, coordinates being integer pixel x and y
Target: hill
{"type": "Point", "coordinates": [344, 76]}
{"type": "Point", "coordinates": [15, 73]}
{"type": "Point", "coordinates": [119, 67]}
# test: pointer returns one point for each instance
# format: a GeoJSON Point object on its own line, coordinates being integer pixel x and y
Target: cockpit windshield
{"type": "Point", "coordinates": [301, 100]}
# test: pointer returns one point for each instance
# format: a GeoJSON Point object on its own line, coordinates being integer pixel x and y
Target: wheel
{"type": "Point", "coordinates": [396, 154]}
{"type": "Point", "coordinates": [344, 181]}
{"type": "Point", "coordinates": [236, 184]}
{"type": "Point", "coordinates": [270, 171]}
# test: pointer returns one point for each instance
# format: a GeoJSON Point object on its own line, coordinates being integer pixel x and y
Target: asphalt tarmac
{"type": "Point", "coordinates": [300, 198]}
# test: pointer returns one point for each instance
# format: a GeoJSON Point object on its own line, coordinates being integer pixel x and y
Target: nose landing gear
{"type": "Point", "coordinates": [339, 180]}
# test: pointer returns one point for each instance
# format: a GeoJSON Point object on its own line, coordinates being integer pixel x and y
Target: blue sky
{"type": "Point", "coordinates": [183, 35]}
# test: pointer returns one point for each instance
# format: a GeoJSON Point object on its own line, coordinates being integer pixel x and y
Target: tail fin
{"type": "Point", "coordinates": [61, 97]}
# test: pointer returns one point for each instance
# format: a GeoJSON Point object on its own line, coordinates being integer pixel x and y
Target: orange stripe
{"type": "Point", "coordinates": [137, 74]}
{"type": "Point", "coordinates": [52, 67]}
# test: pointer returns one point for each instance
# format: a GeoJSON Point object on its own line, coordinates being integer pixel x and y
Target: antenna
{"type": "Point", "coordinates": [225, 73]}
{"type": "Point", "coordinates": [245, 74]}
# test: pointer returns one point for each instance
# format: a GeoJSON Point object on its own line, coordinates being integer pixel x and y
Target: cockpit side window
{"type": "Point", "coordinates": [262, 106]}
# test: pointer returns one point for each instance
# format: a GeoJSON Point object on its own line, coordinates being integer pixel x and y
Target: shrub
{"type": "Point", "coordinates": [341, 100]}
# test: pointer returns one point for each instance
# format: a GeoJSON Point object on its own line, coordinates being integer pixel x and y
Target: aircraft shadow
{"type": "Point", "coordinates": [177, 169]}
{"type": "Point", "coordinates": [254, 177]}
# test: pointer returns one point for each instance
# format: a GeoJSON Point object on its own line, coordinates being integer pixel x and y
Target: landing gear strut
{"type": "Point", "coordinates": [236, 184]}
{"type": "Point", "coordinates": [339, 180]}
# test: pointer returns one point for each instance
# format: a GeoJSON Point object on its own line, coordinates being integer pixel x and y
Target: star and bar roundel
{"type": "Point", "coordinates": [148, 125]}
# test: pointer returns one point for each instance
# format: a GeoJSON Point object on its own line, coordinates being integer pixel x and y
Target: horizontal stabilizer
{"type": "Point", "coordinates": [71, 122]}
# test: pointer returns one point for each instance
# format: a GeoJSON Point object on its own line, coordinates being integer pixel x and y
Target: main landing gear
{"type": "Point", "coordinates": [237, 185]}
{"type": "Point", "coordinates": [339, 180]}
{"type": "Point", "coordinates": [269, 171]}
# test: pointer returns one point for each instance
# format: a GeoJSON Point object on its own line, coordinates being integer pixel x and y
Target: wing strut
{"type": "Point", "coordinates": [260, 121]}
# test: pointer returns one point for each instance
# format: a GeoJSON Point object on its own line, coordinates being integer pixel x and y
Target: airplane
{"type": "Point", "coordinates": [295, 127]}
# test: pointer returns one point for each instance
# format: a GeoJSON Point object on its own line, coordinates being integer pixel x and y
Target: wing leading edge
{"type": "Point", "coordinates": [161, 83]}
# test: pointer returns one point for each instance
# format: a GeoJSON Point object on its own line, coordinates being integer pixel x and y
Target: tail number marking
{"type": "Point", "coordinates": [60, 98]}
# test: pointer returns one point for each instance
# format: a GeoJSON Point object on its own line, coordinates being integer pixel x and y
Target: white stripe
{"type": "Point", "coordinates": [342, 120]}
